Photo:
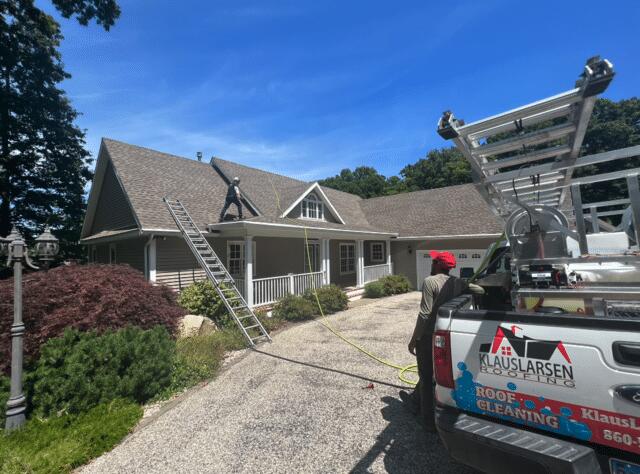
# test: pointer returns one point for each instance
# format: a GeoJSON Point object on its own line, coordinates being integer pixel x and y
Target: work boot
{"type": "Point", "coordinates": [410, 402]}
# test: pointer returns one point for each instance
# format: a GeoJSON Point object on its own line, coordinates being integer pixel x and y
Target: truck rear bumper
{"type": "Point", "coordinates": [496, 448]}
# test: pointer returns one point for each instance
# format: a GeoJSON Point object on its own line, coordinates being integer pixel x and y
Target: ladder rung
{"type": "Point", "coordinates": [250, 315]}
{"type": "Point", "coordinates": [251, 327]}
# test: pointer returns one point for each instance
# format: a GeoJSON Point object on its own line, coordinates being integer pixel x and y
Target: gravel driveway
{"type": "Point", "coordinates": [297, 405]}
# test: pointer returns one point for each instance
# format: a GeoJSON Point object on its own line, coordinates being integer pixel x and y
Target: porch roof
{"type": "Point", "coordinates": [288, 227]}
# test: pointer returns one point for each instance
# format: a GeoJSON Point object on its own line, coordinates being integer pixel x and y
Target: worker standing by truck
{"type": "Point", "coordinates": [437, 289]}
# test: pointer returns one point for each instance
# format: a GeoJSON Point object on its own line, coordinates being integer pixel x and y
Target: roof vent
{"type": "Point", "coordinates": [199, 155]}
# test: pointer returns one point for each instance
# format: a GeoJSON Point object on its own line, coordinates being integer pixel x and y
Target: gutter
{"type": "Point", "coordinates": [246, 224]}
{"type": "Point", "coordinates": [449, 237]}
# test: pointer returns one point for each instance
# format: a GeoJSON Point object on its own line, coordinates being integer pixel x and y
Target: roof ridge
{"type": "Point", "coordinates": [216, 158]}
{"type": "Point", "coordinates": [168, 155]}
{"type": "Point", "coordinates": [418, 191]}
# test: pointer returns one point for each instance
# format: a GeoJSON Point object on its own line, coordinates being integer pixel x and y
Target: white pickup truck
{"type": "Point", "coordinates": [542, 374]}
{"type": "Point", "coordinates": [535, 392]}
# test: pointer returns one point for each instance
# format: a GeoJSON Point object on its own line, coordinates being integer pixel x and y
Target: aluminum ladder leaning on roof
{"type": "Point", "coordinates": [225, 286]}
{"type": "Point", "coordinates": [527, 155]}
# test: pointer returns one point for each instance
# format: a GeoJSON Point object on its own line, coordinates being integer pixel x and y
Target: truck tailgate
{"type": "Point", "coordinates": [572, 375]}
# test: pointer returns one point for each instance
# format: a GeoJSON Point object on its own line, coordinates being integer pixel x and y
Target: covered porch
{"type": "Point", "coordinates": [269, 263]}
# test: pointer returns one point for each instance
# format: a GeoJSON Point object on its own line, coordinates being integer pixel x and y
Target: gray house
{"type": "Point", "coordinates": [349, 240]}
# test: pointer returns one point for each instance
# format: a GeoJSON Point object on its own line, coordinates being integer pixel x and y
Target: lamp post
{"type": "Point", "coordinates": [14, 247]}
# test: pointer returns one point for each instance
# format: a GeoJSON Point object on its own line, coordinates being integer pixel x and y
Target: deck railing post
{"type": "Point", "coordinates": [248, 265]}
{"type": "Point", "coordinates": [292, 284]}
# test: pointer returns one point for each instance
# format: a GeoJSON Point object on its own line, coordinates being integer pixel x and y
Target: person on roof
{"type": "Point", "coordinates": [437, 289]}
{"type": "Point", "coordinates": [233, 197]}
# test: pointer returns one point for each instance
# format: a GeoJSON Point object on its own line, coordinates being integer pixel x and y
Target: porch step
{"type": "Point", "coordinates": [354, 293]}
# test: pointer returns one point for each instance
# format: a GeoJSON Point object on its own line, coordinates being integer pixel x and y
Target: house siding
{"type": "Point", "coordinates": [131, 252]}
{"type": "Point", "coordinates": [113, 211]}
{"type": "Point", "coordinates": [404, 263]}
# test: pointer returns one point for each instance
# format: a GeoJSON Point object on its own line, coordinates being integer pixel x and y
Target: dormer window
{"type": "Point", "coordinates": [312, 208]}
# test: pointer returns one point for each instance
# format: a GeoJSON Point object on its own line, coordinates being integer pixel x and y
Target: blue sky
{"type": "Point", "coordinates": [306, 88]}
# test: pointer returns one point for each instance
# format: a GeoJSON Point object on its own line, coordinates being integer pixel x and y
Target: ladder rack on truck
{"type": "Point", "coordinates": [507, 149]}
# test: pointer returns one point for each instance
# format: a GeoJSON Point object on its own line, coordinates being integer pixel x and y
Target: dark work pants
{"type": "Point", "coordinates": [228, 203]}
{"type": "Point", "coordinates": [425, 388]}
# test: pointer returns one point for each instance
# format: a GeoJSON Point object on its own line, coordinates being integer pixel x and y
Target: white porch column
{"type": "Point", "coordinates": [326, 261]}
{"type": "Point", "coordinates": [359, 263]}
{"type": "Point", "coordinates": [248, 269]}
{"type": "Point", "coordinates": [388, 248]}
{"type": "Point", "coordinates": [152, 260]}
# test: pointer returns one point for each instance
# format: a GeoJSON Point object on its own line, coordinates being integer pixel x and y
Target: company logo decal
{"type": "Point", "coordinates": [517, 356]}
{"type": "Point", "coordinates": [604, 427]}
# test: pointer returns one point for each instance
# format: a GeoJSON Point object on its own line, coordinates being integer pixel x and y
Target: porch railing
{"type": "Point", "coordinates": [269, 290]}
{"type": "Point", "coordinates": [375, 272]}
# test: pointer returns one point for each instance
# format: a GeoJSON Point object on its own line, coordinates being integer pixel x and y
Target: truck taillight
{"type": "Point", "coordinates": [442, 359]}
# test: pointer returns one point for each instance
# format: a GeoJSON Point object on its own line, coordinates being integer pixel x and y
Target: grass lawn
{"type": "Point", "coordinates": [64, 443]}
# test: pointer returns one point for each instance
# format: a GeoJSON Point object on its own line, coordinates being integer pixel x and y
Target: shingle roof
{"type": "Point", "coordinates": [148, 175]}
{"type": "Point", "coordinates": [264, 189]}
{"type": "Point", "coordinates": [454, 210]}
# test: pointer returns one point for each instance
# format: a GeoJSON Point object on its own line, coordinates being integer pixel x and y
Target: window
{"type": "Point", "coordinates": [506, 350]}
{"type": "Point", "coordinates": [476, 255]}
{"type": "Point", "coordinates": [94, 255]}
{"type": "Point", "coordinates": [347, 258]}
{"type": "Point", "coordinates": [112, 253]}
{"type": "Point", "coordinates": [312, 253]}
{"type": "Point", "coordinates": [377, 252]}
{"type": "Point", "coordinates": [235, 258]}
{"type": "Point", "coordinates": [312, 208]}
{"type": "Point", "coordinates": [462, 255]}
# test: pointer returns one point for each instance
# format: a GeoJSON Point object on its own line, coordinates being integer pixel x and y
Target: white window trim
{"type": "Point", "coordinates": [315, 243]}
{"type": "Point", "coordinates": [355, 259]}
{"type": "Point", "coordinates": [382, 259]}
{"type": "Point", "coordinates": [242, 261]}
{"type": "Point", "coordinates": [319, 207]}
{"type": "Point", "coordinates": [112, 247]}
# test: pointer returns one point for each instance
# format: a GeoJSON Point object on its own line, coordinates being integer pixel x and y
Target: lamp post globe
{"type": "Point", "coordinates": [47, 246]}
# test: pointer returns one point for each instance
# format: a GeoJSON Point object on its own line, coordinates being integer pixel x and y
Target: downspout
{"type": "Point", "coordinates": [147, 247]}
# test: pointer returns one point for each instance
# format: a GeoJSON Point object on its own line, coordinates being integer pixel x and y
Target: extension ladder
{"type": "Point", "coordinates": [224, 284]}
{"type": "Point", "coordinates": [528, 155]}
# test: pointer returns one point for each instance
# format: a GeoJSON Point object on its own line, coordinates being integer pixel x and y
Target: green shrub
{"type": "Point", "coordinates": [5, 385]}
{"type": "Point", "coordinates": [64, 443]}
{"type": "Point", "coordinates": [395, 284]}
{"type": "Point", "coordinates": [332, 299]}
{"type": "Point", "coordinates": [201, 298]}
{"type": "Point", "coordinates": [81, 370]}
{"type": "Point", "coordinates": [387, 286]}
{"type": "Point", "coordinates": [294, 308]}
{"type": "Point", "coordinates": [374, 289]}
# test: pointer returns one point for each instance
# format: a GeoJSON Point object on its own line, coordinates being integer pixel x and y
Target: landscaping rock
{"type": "Point", "coordinates": [193, 324]}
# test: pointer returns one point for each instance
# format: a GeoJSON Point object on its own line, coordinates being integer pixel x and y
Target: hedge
{"type": "Point", "coordinates": [387, 286]}
{"type": "Point", "coordinates": [83, 369]}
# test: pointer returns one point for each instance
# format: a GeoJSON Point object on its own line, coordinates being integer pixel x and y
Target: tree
{"type": "Point", "coordinates": [613, 125]}
{"type": "Point", "coordinates": [364, 181]}
{"type": "Point", "coordinates": [44, 165]}
{"type": "Point", "coordinates": [440, 168]}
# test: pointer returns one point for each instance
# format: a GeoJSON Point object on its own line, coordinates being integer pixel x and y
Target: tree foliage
{"type": "Point", "coordinates": [441, 167]}
{"type": "Point", "coordinates": [44, 165]}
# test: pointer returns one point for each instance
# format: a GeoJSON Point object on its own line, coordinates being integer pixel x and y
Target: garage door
{"type": "Point", "coordinates": [468, 261]}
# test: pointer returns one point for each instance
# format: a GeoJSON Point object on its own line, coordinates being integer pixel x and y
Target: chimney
{"type": "Point", "coordinates": [199, 155]}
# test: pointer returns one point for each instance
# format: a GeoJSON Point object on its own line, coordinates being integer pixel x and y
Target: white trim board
{"type": "Point", "coordinates": [315, 186]}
